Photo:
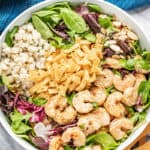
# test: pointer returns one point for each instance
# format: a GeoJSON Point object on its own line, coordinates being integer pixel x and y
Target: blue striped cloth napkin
{"type": "Point", "coordinates": [9, 9]}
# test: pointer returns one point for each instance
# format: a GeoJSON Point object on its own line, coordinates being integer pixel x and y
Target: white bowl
{"type": "Point", "coordinates": [107, 8]}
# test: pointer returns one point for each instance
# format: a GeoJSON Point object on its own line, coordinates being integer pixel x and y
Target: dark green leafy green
{"type": "Point", "coordinates": [20, 128]}
{"type": "Point", "coordinates": [146, 55]}
{"type": "Point", "coordinates": [1, 81]}
{"type": "Point", "coordinates": [137, 48]}
{"type": "Point", "coordinates": [139, 51]}
{"type": "Point", "coordinates": [89, 36]}
{"type": "Point", "coordinates": [10, 36]}
{"type": "Point", "coordinates": [43, 13]}
{"type": "Point", "coordinates": [105, 22]}
{"type": "Point", "coordinates": [67, 147]}
{"type": "Point", "coordinates": [95, 105]}
{"type": "Point", "coordinates": [19, 122]}
{"type": "Point", "coordinates": [38, 101]}
{"type": "Point", "coordinates": [104, 139]}
{"type": "Point", "coordinates": [53, 19]}
{"type": "Point", "coordinates": [94, 8]}
{"type": "Point", "coordinates": [138, 117]}
{"type": "Point", "coordinates": [109, 90]}
{"type": "Point", "coordinates": [144, 91]}
{"type": "Point", "coordinates": [131, 64]}
{"type": "Point", "coordinates": [112, 29]}
{"type": "Point", "coordinates": [58, 6]}
{"type": "Point", "coordinates": [73, 20]}
{"type": "Point", "coordinates": [130, 110]}
{"type": "Point", "coordinates": [41, 27]}
{"type": "Point", "coordinates": [144, 64]}
{"type": "Point", "coordinates": [70, 98]}
{"type": "Point", "coordinates": [56, 41]}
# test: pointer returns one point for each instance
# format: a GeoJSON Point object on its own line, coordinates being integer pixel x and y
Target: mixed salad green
{"type": "Point", "coordinates": [60, 24]}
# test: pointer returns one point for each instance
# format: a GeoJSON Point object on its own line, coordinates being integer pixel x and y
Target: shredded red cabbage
{"type": "Point", "coordinates": [9, 101]}
{"type": "Point", "coordinates": [40, 143]}
{"type": "Point", "coordinates": [38, 113]}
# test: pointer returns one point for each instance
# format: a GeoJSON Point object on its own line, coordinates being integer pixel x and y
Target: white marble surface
{"type": "Point", "coordinates": [142, 16]}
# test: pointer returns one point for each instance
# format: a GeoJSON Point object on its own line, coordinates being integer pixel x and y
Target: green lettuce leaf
{"type": "Point", "coordinates": [70, 98]}
{"type": "Point", "coordinates": [10, 36]}
{"type": "Point", "coordinates": [94, 8]}
{"type": "Point", "coordinates": [104, 139]}
{"type": "Point", "coordinates": [138, 117]}
{"type": "Point", "coordinates": [137, 48]}
{"type": "Point", "coordinates": [68, 148]}
{"type": "Point", "coordinates": [105, 22]}
{"type": "Point", "coordinates": [144, 91]}
{"type": "Point", "coordinates": [131, 64]}
{"type": "Point", "coordinates": [19, 122]}
{"type": "Point", "coordinates": [38, 101]}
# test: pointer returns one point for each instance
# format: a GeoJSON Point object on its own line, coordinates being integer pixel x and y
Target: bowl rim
{"type": "Point", "coordinates": [3, 120]}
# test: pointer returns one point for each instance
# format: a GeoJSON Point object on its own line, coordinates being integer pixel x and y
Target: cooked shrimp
{"type": "Point", "coordinates": [131, 93]}
{"type": "Point", "coordinates": [82, 102]}
{"type": "Point", "coordinates": [103, 116]}
{"type": "Point", "coordinates": [92, 122]}
{"type": "Point", "coordinates": [113, 63]}
{"type": "Point", "coordinates": [130, 96]}
{"type": "Point", "coordinates": [74, 134]}
{"type": "Point", "coordinates": [56, 143]}
{"type": "Point", "coordinates": [93, 147]}
{"type": "Point", "coordinates": [98, 95]}
{"type": "Point", "coordinates": [89, 123]}
{"type": "Point", "coordinates": [119, 126]}
{"type": "Point", "coordinates": [113, 104]}
{"type": "Point", "coordinates": [57, 109]}
{"type": "Point", "coordinates": [122, 84]}
{"type": "Point", "coordinates": [104, 80]}
{"type": "Point", "coordinates": [139, 79]}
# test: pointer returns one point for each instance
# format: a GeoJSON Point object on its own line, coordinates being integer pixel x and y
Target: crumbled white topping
{"type": "Point", "coordinates": [26, 54]}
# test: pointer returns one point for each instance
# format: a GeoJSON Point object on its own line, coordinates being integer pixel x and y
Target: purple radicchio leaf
{"type": "Point", "coordinates": [38, 113]}
{"type": "Point", "coordinates": [6, 99]}
{"type": "Point", "coordinates": [43, 144]}
{"type": "Point", "coordinates": [125, 47]}
{"type": "Point", "coordinates": [60, 129]}
{"type": "Point", "coordinates": [61, 32]}
{"type": "Point", "coordinates": [123, 72]}
{"type": "Point", "coordinates": [82, 9]}
{"type": "Point", "coordinates": [61, 27]}
{"type": "Point", "coordinates": [108, 52]}
{"type": "Point", "coordinates": [91, 20]}
{"type": "Point", "coordinates": [40, 142]}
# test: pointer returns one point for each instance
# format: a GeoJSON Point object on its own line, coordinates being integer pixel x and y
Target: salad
{"type": "Point", "coordinates": [74, 78]}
